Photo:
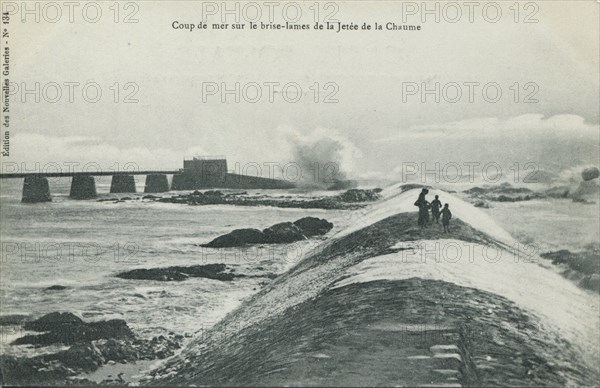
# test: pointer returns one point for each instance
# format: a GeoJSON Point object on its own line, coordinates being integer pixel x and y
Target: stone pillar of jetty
{"type": "Point", "coordinates": [83, 187]}
{"type": "Point", "coordinates": [122, 184]}
{"type": "Point", "coordinates": [179, 182]}
{"type": "Point", "coordinates": [36, 189]}
{"type": "Point", "coordinates": [156, 183]}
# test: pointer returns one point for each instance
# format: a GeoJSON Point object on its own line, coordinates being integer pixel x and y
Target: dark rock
{"type": "Point", "coordinates": [85, 356]}
{"type": "Point", "coordinates": [67, 330]}
{"type": "Point", "coordinates": [313, 226]}
{"type": "Point", "coordinates": [150, 196]}
{"type": "Point", "coordinates": [587, 261]}
{"type": "Point", "coordinates": [583, 200]}
{"type": "Point", "coordinates": [32, 371]}
{"type": "Point", "coordinates": [587, 190]}
{"type": "Point", "coordinates": [359, 195]}
{"type": "Point", "coordinates": [284, 232]}
{"type": "Point", "coordinates": [504, 188]}
{"type": "Point", "coordinates": [54, 322]}
{"type": "Point", "coordinates": [56, 287]}
{"type": "Point", "coordinates": [12, 319]}
{"type": "Point", "coordinates": [583, 267]}
{"type": "Point", "coordinates": [507, 188]}
{"type": "Point", "coordinates": [519, 198]}
{"type": "Point", "coordinates": [591, 282]}
{"type": "Point", "coordinates": [238, 237]}
{"type": "Point", "coordinates": [475, 190]}
{"type": "Point", "coordinates": [343, 201]}
{"type": "Point", "coordinates": [558, 192]}
{"type": "Point", "coordinates": [81, 356]}
{"type": "Point", "coordinates": [482, 204]}
{"type": "Point", "coordinates": [179, 273]}
{"type": "Point", "coordinates": [120, 350]}
{"type": "Point", "coordinates": [590, 173]}
{"type": "Point", "coordinates": [213, 193]}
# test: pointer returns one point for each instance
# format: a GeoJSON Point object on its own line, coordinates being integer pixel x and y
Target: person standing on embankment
{"type": "Point", "coordinates": [423, 208]}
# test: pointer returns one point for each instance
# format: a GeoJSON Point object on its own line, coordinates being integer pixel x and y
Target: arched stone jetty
{"type": "Point", "coordinates": [156, 183]}
{"type": "Point", "coordinates": [122, 184]}
{"type": "Point", "coordinates": [83, 187]}
{"type": "Point", "coordinates": [36, 189]}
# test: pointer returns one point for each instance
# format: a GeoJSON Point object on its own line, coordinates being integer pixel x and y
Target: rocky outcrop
{"type": "Point", "coordinates": [179, 273]}
{"type": "Point", "coordinates": [281, 233]}
{"type": "Point", "coordinates": [83, 356]}
{"type": "Point", "coordinates": [313, 226]}
{"type": "Point", "coordinates": [583, 267]}
{"type": "Point", "coordinates": [482, 204]}
{"type": "Point", "coordinates": [351, 199]}
{"type": "Point", "coordinates": [68, 329]}
{"type": "Point", "coordinates": [360, 195]}
{"type": "Point", "coordinates": [517, 198]}
{"type": "Point", "coordinates": [558, 192]}
{"type": "Point", "coordinates": [13, 319]}
{"type": "Point", "coordinates": [56, 287]}
{"type": "Point", "coordinates": [504, 192]}
{"type": "Point", "coordinates": [587, 191]}
{"type": "Point", "coordinates": [54, 322]}
{"type": "Point", "coordinates": [238, 238]}
{"type": "Point", "coordinates": [590, 173]}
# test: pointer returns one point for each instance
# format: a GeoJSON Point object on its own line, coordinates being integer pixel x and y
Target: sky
{"type": "Point", "coordinates": [376, 118]}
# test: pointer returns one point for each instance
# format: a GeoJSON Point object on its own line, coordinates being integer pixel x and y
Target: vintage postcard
{"type": "Point", "coordinates": [300, 193]}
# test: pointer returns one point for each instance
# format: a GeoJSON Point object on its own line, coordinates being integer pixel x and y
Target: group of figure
{"type": "Point", "coordinates": [436, 211]}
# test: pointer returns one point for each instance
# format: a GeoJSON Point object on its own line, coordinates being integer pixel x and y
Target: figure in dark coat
{"type": "Point", "coordinates": [436, 205]}
{"type": "Point", "coordinates": [446, 216]}
{"type": "Point", "coordinates": [423, 208]}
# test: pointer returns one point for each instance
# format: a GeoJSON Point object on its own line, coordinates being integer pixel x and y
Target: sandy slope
{"type": "Point", "coordinates": [544, 330]}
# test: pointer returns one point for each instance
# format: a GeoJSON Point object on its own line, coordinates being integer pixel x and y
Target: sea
{"type": "Point", "coordinates": [82, 245]}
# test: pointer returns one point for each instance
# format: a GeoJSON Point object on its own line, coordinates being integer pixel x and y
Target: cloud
{"type": "Point", "coordinates": [29, 150]}
{"type": "Point", "coordinates": [528, 125]}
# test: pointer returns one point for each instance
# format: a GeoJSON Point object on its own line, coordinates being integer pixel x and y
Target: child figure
{"type": "Point", "coordinates": [446, 216]}
{"type": "Point", "coordinates": [436, 204]}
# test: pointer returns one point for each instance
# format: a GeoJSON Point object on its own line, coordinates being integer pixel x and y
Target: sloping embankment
{"type": "Point", "coordinates": [376, 305]}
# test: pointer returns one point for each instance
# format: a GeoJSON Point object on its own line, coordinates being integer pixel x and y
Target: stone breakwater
{"type": "Point", "coordinates": [374, 306]}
